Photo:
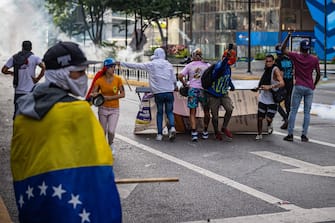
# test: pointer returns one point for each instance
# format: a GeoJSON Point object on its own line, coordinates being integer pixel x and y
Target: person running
{"type": "Point", "coordinates": [218, 95]}
{"type": "Point", "coordinates": [162, 82]}
{"type": "Point", "coordinates": [267, 108]}
{"type": "Point", "coordinates": [285, 65]}
{"type": "Point", "coordinates": [61, 163]}
{"type": "Point", "coordinates": [193, 72]}
{"type": "Point", "coordinates": [24, 65]}
{"type": "Point", "coordinates": [110, 86]}
{"type": "Point", "coordinates": [304, 86]}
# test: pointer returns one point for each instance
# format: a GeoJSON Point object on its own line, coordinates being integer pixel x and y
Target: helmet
{"type": "Point", "coordinates": [109, 62]}
{"type": "Point", "coordinates": [231, 54]}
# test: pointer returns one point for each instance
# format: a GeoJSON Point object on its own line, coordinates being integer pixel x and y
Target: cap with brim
{"type": "Point", "coordinates": [65, 54]}
{"type": "Point", "coordinates": [305, 44]}
{"type": "Point", "coordinates": [98, 100]}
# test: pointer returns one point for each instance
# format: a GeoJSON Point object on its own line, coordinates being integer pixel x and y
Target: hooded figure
{"type": "Point", "coordinates": [162, 82]}
{"type": "Point", "coordinates": [58, 146]}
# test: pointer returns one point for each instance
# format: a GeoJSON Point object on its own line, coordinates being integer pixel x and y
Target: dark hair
{"type": "Point", "coordinates": [26, 45]}
{"type": "Point", "coordinates": [270, 56]}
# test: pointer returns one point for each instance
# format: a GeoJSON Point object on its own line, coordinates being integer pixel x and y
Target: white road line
{"type": "Point", "coordinates": [310, 140]}
{"type": "Point", "coordinates": [303, 167]}
{"type": "Point", "coordinates": [298, 216]}
{"type": "Point", "coordinates": [222, 179]}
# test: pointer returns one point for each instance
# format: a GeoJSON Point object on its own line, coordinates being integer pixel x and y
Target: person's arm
{"type": "Point", "coordinates": [140, 66]}
{"type": "Point", "coordinates": [279, 78]}
{"type": "Point", "coordinates": [317, 78]}
{"type": "Point", "coordinates": [38, 78]}
{"type": "Point", "coordinates": [284, 44]}
{"type": "Point", "coordinates": [5, 70]}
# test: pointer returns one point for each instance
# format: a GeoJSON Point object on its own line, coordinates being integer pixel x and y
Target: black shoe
{"type": "Point", "coordinates": [304, 138]}
{"type": "Point", "coordinates": [284, 125]}
{"type": "Point", "coordinates": [288, 138]}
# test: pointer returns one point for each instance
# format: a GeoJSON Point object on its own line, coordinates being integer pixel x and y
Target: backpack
{"type": "Point", "coordinates": [206, 77]}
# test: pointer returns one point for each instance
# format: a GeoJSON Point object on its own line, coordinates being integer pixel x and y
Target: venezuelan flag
{"type": "Point", "coordinates": [62, 168]}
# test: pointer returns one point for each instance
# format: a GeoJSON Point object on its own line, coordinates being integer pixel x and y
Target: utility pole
{"type": "Point", "coordinates": [249, 37]}
{"type": "Point", "coordinates": [325, 78]}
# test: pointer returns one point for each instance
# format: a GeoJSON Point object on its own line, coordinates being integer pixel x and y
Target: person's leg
{"type": "Point", "coordinates": [271, 112]}
{"type": "Point", "coordinates": [113, 119]}
{"type": "Point", "coordinates": [308, 99]}
{"type": "Point", "coordinates": [260, 116]}
{"type": "Point", "coordinates": [295, 103]}
{"type": "Point", "coordinates": [289, 87]}
{"type": "Point", "coordinates": [227, 104]}
{"type": "Point", "coordinates": [159, 115]}
{"type": "Point", "coordinates": [103, 118]}
{"type": "Point", "coordinates": [169, 100]}
{"type": "Point", "coordinates": [214, 104]}
{"type": "Point", "coordinates": [204, 103]}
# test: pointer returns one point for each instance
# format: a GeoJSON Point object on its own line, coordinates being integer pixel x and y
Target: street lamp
{"type": "Point", "coordinates": [325, 78]}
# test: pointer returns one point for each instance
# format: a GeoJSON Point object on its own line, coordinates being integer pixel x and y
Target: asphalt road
{"type": "Point", "coordinates": [219, 181]}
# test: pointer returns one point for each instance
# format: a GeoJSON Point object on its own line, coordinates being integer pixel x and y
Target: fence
{"type": "Point", "coordinates": [132, 74]}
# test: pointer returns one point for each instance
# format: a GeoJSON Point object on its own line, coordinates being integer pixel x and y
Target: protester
{"type": "Point", "coordinates": [271, 80]}
{"type": "Point", "coordinates": [24, 65]}
{"type": "Point", "coordinates": [61, 163]}
{"type": "Point", "coordinates": [162, 81]}
{"type": "Point", "coordinates": [191, 76]}
{"type": "Point", "coordinates": [304, 86]}
{"type": "Point", "coordinates": [218, 93]}
{"type": "Point", "coordinates": [285, 65]}
{"type": "Point", "coordinates": [110, 86]}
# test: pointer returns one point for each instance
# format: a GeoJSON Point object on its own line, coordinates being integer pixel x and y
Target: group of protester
{"type": "Point", "coordinates": [294, 72]}
{"type": "Point", "coordinates": [60, 163]}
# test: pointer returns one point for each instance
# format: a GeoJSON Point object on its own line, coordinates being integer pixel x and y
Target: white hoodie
{"type": "Point", "coordinates": [161, 76]}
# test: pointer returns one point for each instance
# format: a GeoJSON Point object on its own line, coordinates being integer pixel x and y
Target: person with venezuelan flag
{"type": "Point", "coordinates": [61, 163]}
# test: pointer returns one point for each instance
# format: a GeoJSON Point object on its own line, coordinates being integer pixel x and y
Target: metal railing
{"type": "Point", "coordinates": [132, 74]}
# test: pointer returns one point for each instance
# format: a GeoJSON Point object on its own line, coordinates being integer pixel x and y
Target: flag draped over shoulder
{"type": "Point", "coordinates": [62, 167]}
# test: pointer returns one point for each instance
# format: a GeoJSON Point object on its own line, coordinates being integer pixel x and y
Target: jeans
{"type": "Point", "coordinates": [167, 100]}
{"type": "Point", "coordinates": [298, 93]}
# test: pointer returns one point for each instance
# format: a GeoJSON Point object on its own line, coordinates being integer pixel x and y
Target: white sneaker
{"type": "Point", "coordinates": [259, 137]}
{"type": "Point", "coordinates": [113, 149]}
{"type": "Point", "coordinates": [159, 137]}
{"type": "Point", "coordinates": [172, 134]}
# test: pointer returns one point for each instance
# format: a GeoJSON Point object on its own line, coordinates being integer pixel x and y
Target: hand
{"type": "Point", "coordinates": [254, 89]}
{"type": "Point", "coordinates": [35, 79]}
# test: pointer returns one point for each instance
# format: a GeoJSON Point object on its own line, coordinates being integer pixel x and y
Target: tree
{"type": "Point", "coordinates": [147, 11]}
{"type": "Point", "coordinates": [80, 16]}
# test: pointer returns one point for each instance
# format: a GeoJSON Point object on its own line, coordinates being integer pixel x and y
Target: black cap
{"type": "Point", "coordinates": [65, 54]}
{"type": "Point", "coordinates": [305, 44]}
{"type": "Point", "coordinates": [26, 45]}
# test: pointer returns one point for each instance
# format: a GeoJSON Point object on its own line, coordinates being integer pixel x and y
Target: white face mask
{"type": "Point", "coordinates": [78, 86]}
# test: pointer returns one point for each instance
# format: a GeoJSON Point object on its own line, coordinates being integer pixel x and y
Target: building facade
{"type": "Point", "coordinates": [216, 23]}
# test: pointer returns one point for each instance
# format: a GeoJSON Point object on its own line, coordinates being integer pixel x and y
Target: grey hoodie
{"type": "Point", "coordinates": [161, 75]}
{"type": "Point", "coordinates": [37, 103]}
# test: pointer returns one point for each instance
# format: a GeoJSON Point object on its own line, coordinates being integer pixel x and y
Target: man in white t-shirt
{"type": "Point", "coordinates": [24, 65]}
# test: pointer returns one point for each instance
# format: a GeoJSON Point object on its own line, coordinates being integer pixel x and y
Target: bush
{"type": "Point", "coordinates": [260, 56]}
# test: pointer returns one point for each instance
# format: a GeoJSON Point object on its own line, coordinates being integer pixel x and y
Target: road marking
{"type": "Point", "coordinates": [310, 140]}
{"type": "Point", "coordinates": [302, 215]}
{"type": "Point", "coordinates": [222, 179]}
{"type": "Point", "coordinates": [303, 167]}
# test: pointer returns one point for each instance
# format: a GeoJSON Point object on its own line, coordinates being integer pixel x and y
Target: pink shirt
{"type": "Point", "coordinates": [194, 71]}
{"type": "Point", "coordinates": [304, 64]}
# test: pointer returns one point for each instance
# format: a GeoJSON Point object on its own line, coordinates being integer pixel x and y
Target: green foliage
{"type": "Point", "coordinates": [260, 56]}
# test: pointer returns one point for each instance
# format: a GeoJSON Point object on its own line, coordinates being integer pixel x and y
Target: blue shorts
{"type": "Point", "coordinates": [196, 95]}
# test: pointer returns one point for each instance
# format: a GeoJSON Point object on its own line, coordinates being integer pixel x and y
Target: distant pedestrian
{"type": "Point", "coordinates": [304, 65]}
{"type": "Point", "coordinates": [162, 82]}
{"type": "Point", "coordinates": [24, 65]}
{"type": "Point", "coordinates": [271, 80]}
{"type": "Point", "coordinates": [218, 94]}
{"type": "Point", "coordinates": [61, 163]}
{"type": "Point", "coordinates": [285, 65]}
{"type": "Point", "coordinates": [191, 76]}
{"type": "Point", "coordinates": [110, 86]}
